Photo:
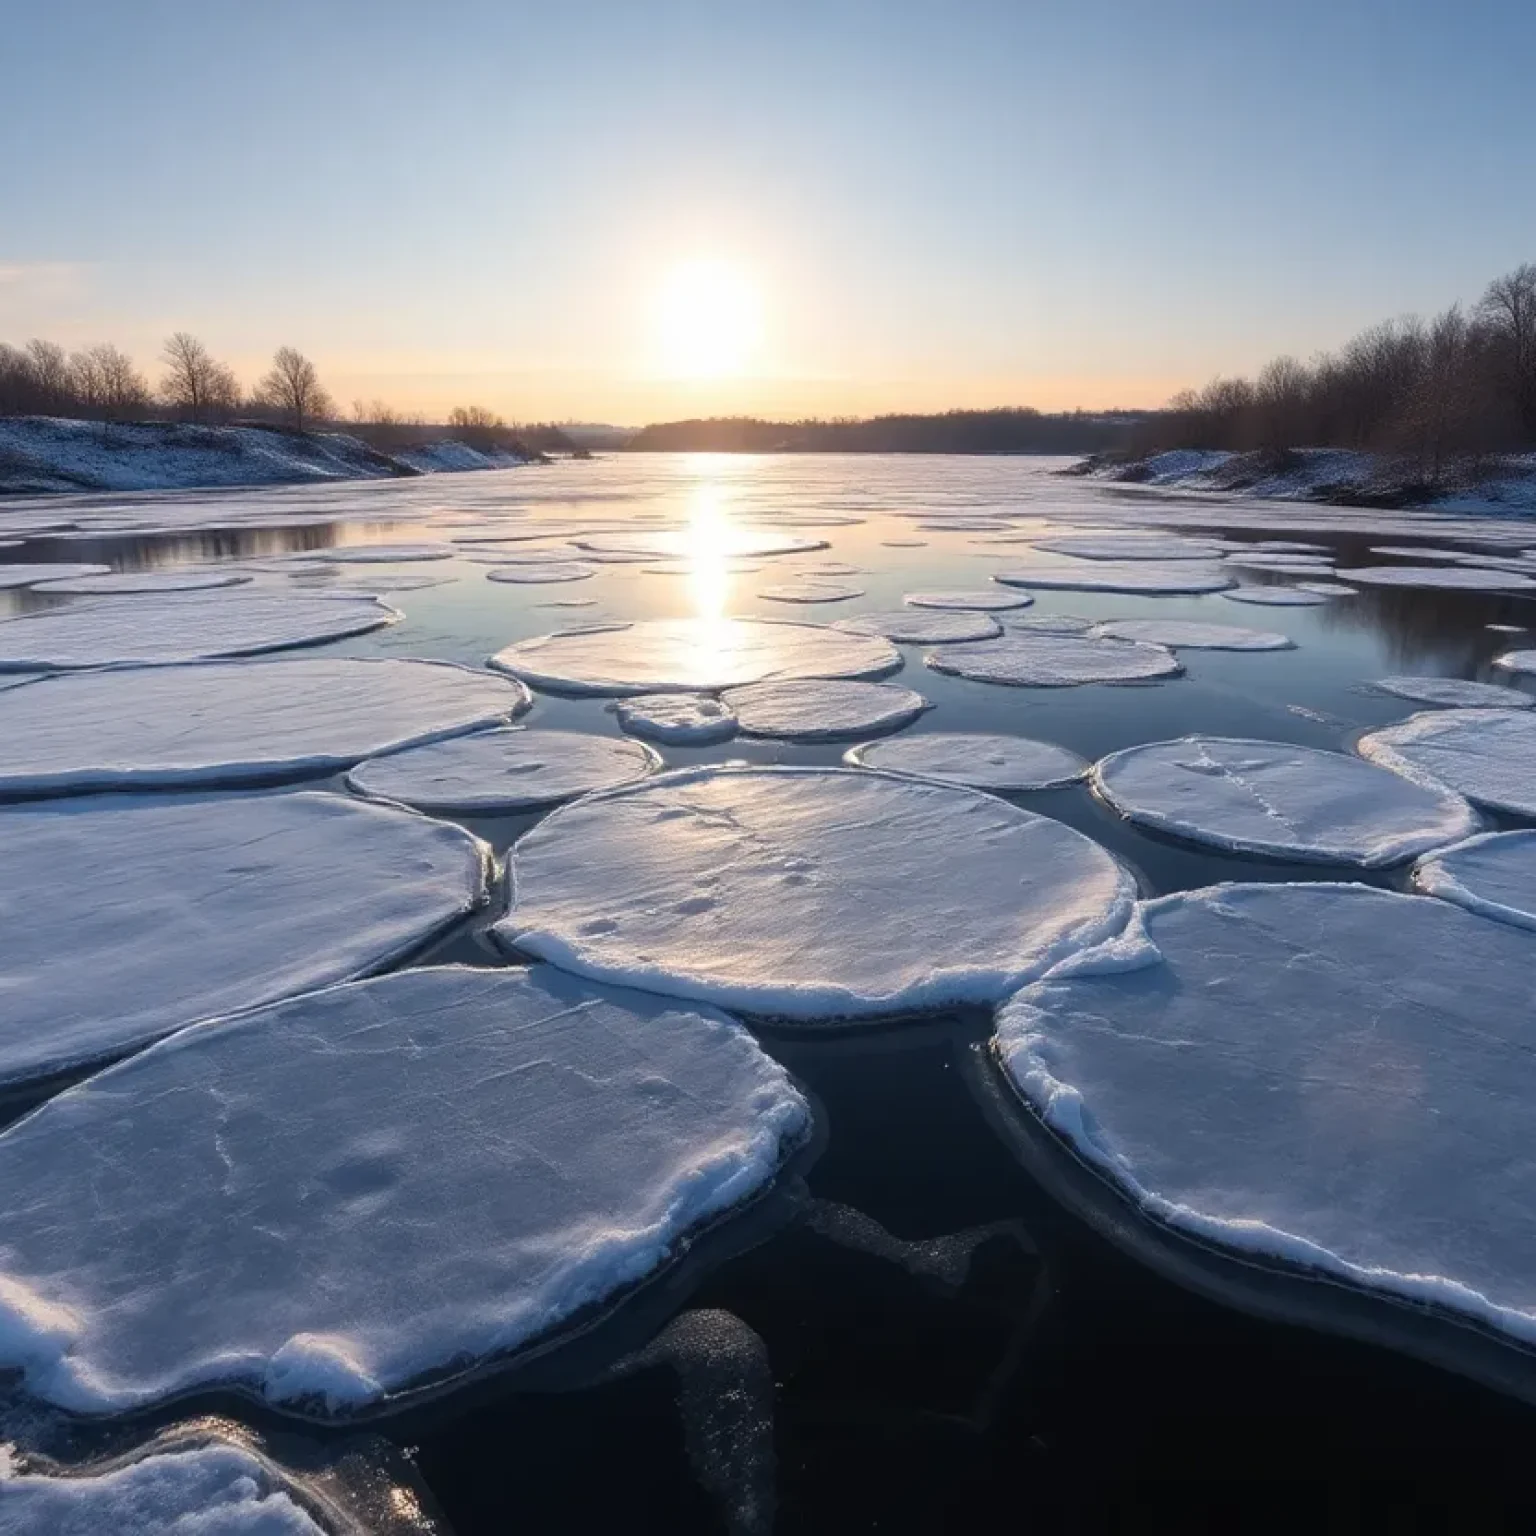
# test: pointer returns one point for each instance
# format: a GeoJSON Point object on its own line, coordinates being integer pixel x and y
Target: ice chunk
{"type": "Point", "coordinates": [182, 627]}
{"type": "Point", "coordinates": [984, 601]}
{"type": "Point", "coordinates": [1454, 692]}
{"type": "Point", "coordinates": [1285, 801]}
{"type": "Point", "coordinates": [1516, 661]}
{"type": "Point", "coordinates": [809, 893]}
{"type": "Point", "coordinates": [934, 627]}
{"type": "Point", "coordinates": [506, 770]}
{"type": "Point", "coordinates": [197, 579]}
{"type": "Point", "coordinates": [124, 917]}
{"type": "Point", "coordinates": [235, 722]}
{"type": "Point", "coordinates": [691, 655]}
{"type": "Point", "coordinates": [379, 554]}
{"type": "Point", "coordinates": [980, 760]}
{"type": "Point", "coordinates": [1488, 755]}
{"type": "Point", "coordinates": [689, 719]}
{"type": "Point", "coordinates": [820, 711]}
{"type": "Point", "coordinates": [810, 592]}
{"type": "Point", "coordinates": [904, 543]}
{"type": "Point", "coordinates": [31, 575]}
{"type": "Point", "coordinates": [1462, 578]}
{"type": "Point", "coordinates": [1192, 635]}
{"type": "Point", "coordinates": [1165, 576]}
{"type": "Point", "coordinates": [1327, 1075]}
{"type": "Point", "coordinates": [541, 572]}
{"type": "Point", "coordinates": [1493, 875]}
{"type": "Point", "coordinates": [820, 568]}
{"type": "Point", "coordinates": [372, 1187]}
{"type": "Point", "coordinates": [1302, 565]}
{"type": "Point", "coordinates": [686, 544]}
{"type": "Point", "coordinates": [1045, 659]}
{"type": "Point", "coordinates": [1048, 623]}
{"type": "Point", "coordinates": [1130, 546]}
{"type": "Point", "coordinates": [1304, 595]}
{"type": "Point", "coordinates": [1321, 589]}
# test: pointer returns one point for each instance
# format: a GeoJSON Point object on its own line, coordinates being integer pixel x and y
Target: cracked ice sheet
{"type": "Point", "coordinates": [1493, 875]}
{"type": "Point", "coordinates": [1280, 800]}
{"type": "Point", "coordinates": [692, 655]}
{"type": "Point", "coordinates": [124, 917]}
{"type": "Point", "coordinates": [1330, 1075]}
{"type": "Point", "coordinates": [237, 722]}
{"type": "Point", "coordinates": [1488, 755]}
{"type": "Point", "coordinates": [192, 626]}
{"type": "Point", "coordinates": [809, 893]}
{"type": "Point", "coordinates": [339, 1236]}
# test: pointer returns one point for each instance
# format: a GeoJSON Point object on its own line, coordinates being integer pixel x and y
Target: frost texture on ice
{"type": "Point", "coordinates": [506, 770]}
{"type": "Point", "coordinates": [1046, 659]}
{"type": "Point", "coordinates": [370, 1185]}
{"type": "Point", "coordinates": [1462, 578]}
{"type": "Point", "coordinates": [234, 722]}
{"type": "Point", "coordinates": [1328, 1075]}
{"type": "Point", "coordinates": [380, 554]}
{"type": "Point", "coordinates": [217, 1489]}
{"type": "Point", "coordinates": [1281, 800]}
{"type": "Point", "coordinates": [685, 544]}
{"type": "Point", "coordinates": [1192, 635]}
{"type": "Point", "coordinates": [692, 655]}
{"type": "Point", "coordinates": [978, 759]}
{"type": "Point", "coordinates": [810, 893]}
{"type": "Point", "coordinates": [810, 592]}
{"type": "Point", "coordinates": [1454, 692]}
{"type": "Point", "coordinates": [31, 575]}
{"type": "Point", "coordinates": [820, 711]}
{"type": "Point", "coordinates": [1304, 596]}
{"type": "Point", "coordinates": [1048, 624]}
{"type": "Point", "coordinates": [124, 917]}
{"type": "Point", "coordinates": [1153, 576]}
{"type": "Point", "coordinates": [1130, 546]}
{"type": "Point", "coordinates": [1493, 875]}
{"type": "Point", "coordinates": [968, 601]}
{"type": "Point", "coordinates": [1488, 755]}
{"type": "Point", "coordinates": [934, 627]}
{"type": "Point", "coordinates": [548, 571]}
{"type": "Point", "coordinates": [1516, 661]}
{"type": "Point", "coordinates": [182, 627]}
{"type": "Point", "coordinates": [199, 579]}
{"type": "Point", "coordinates": [687, 719]}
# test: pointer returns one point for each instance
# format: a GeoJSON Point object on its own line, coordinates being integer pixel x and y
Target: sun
{"type": "Point", "coordinates": [710, 320]}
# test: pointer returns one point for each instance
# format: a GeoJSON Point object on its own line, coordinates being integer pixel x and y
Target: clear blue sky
{"type": "Point", "coordinates": [981, 201]}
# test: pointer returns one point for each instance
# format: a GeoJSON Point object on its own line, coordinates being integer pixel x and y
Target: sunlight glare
{"type": "Point", "coordinates": [710, 320]}
{"type": "Point", "coordinates": [709, 525]}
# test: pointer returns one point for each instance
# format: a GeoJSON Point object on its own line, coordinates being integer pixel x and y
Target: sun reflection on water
{"type": "Point", "coordinates": [709, 553]}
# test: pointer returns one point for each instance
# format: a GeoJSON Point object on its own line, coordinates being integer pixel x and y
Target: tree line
{"type": "Point", "coordinates": [1434, 392]}
{"type": "Point", "coordinates": [102, 383]}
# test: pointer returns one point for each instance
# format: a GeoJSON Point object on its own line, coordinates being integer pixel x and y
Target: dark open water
{"type": "Point", "coordinates": [880, 1364]}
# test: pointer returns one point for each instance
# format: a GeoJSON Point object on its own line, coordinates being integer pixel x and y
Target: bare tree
{"type": "Point", "coordinates": [106, 384]}
{"type": "Point", "coordinates": [293, 387]}
{"type": "Point", "coordinates": [1280, 404]}
{"type": "Point", "coordinates": [474, 418]}
{"type": "Point", "coordinates": [49, 367]}
{"type": "Point", "coordinates": [196, 386]}
{"type": "Point", "coordinates": [1508, 308]}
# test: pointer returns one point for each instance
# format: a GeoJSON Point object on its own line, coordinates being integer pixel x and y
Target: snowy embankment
{"type": "Point", "coordinates": [40, 454]}
{"type": "Point", "coordinates": [1506, 485]}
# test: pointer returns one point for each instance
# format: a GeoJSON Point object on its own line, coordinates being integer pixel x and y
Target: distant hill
{"type": "Point", "coordinates": [1009, 430]}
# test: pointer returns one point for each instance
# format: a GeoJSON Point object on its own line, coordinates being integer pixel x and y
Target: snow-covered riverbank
{"type": "Point", "coordinates": [40, 454]}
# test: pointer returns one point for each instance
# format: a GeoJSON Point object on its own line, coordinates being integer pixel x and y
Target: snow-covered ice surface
{"type": "Point", "coordinates": [692, 655]}
{"type": "Point", "coordinates": [545, 572]}
{"type": "Point", "coordinates": [31, 575]}
{"type": "Point", "coordinates": [182, 627]}
{"type": "Point", "coordinates": [1459, 578]}
{"type": "Point", "coordinates": [384, 554]}
{"type": "Point", "coordinates": [686, 719]}
{"type": "Point", "coordinates": [206, 1490]}
{"type": "Point", "coordinates": [1130, 546]}
{"type": "Point", "coordinates": [1048, 659]}
{"type": "Point", "coordinates": [1047, 624]}
{"type": "Point", "coordinates": [340, 1239]}
{"type": "Point", "coordinates": [930, 627]}
{"type": "Point", "coordinates": [1488, 755]}
{"type": "Point", "coordinates": [1320, 589]}
{"type": "Point", "coordinates": [144, 581]}
{"type": "Point", "coordinates": [125, 917]}
{"type": "Point", "coordinates": [1331, 1076]}
{"type": "Point", "coordinates": [1493, 875]}
{"type": "Point", "coordinates": [809, 893]}
{"type": "Point", "coordinates": [979, 759]}
{"type": "Point", "coordinates": [235, 722]}
{"type": "Point", "coordinates": [1170, 577]}
{"type": "Point", "coordinates": [1192, 635]}
{"type": "Point", "coordinates": [1280, 800]}
{"type": "Point", "coordinates": [811, 591]}
{"type": "Point", "coordinates": [504, 770]}
{"type": "Point", "coordinates": [982, 601]}
{"type": "Point", "coordinates": [1454, 692]}
{"type": "Point", "coordinates": [1307, 595]}
{"type": "Point", "coordinates": [1516, 661]}
{"type": "Point", "coordinates": [821, 710]}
